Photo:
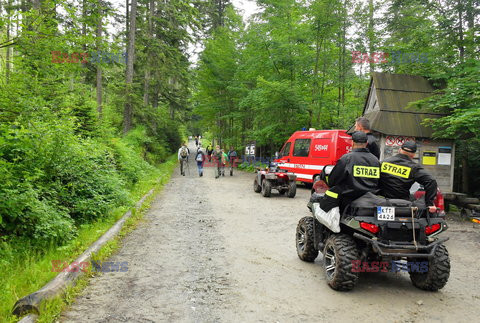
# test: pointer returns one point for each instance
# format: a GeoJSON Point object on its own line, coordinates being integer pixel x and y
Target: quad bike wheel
{"type": "Point", "coordinates": [266, 188]}
{"type": "Point", "coordinates": [339, 253]}
{"type": "Point", "coordinates": [256, 187]}
{"type": "Point", "coordinates": [292, 189]}
{"type": "Point", "coordinates": [438, 271]}
{"type": "Point", "coordinates": [231, 172]}
{"type": "Point", "coordinates": [304, 239]}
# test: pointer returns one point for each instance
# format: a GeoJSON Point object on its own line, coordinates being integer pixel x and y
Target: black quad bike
{"type": "Point", "coordinates": [375, 231]}
{"type": "Point", "coordinates": [275, 178]}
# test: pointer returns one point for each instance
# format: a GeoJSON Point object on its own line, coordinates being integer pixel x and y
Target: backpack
{"type": "Point", "coordinates": [183, 152]}
{"type": "Point", "coordinates": [199, 157]}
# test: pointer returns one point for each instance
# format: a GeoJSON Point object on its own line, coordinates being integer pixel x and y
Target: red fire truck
{"type": "Point", "coordinates": [306, 152]}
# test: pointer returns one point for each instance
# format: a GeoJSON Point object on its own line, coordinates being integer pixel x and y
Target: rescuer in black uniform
{"type": "Point", "coordinates": [363, 124]}
{"type": "Point", "coordinates": [355, 174]}
{"type": "Point", "coordinates": [399, 172]}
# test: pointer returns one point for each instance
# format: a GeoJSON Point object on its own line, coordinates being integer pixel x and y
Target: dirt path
{"type": "Point", "coordinates": [212, 250]}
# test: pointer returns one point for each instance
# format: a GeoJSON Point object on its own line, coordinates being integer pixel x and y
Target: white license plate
{"type": "Point", "coordinates": [385, 213]}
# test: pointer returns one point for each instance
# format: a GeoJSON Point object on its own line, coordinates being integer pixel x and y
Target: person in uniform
{"type": "Point", "coordinates": [355, 174]}
{"type": "Point", "coordinates": [399, 172]}
{"type": "Point", "coordinates": [363, 124]}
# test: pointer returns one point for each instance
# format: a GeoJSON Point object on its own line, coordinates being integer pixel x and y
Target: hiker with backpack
{"type": "Point", "coordinates": [183, 154]}
{"type": "Point", "coordinates": [232, 156]}
{"type": "Point", "coordinates": [200, 158]}
{"type": "Point", "coordinates": [217, 159]}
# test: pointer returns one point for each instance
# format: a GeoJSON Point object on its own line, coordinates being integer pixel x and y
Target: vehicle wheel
{"type": "Point", "coordinates": [438, 271]}
{"type": "Point", "coordinates": [256, 187]}
{"type": "Point", "coordinates": [339, 253]}
{"type": "Point", "coordinates": [282, 191]}
{"type": "Point", "coordinates": [231, 172]}
{"type": "Point", "coordinates": [292, 189]}
{"type": "Point", "coordinates": [266, 188]}
{"type": "Point", "coordinates": [305, 239]}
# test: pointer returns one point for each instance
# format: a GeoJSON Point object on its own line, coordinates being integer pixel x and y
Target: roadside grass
{"type": "Point", "coordinates": [29, 271]}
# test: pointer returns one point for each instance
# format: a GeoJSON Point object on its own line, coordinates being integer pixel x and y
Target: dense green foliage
{"type": "Point", "coordinates": [64, 159]}
{"type": "Point", "coordinates": [291, 66]}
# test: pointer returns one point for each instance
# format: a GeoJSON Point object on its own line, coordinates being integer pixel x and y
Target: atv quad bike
{"type": "Point", "coordinates": [275, 178]}
{"type": "Point", "coordinates": [373, 231]}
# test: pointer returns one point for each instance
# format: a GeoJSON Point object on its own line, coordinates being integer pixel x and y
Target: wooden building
{"type": "Point", "coordinates": [393, 122]}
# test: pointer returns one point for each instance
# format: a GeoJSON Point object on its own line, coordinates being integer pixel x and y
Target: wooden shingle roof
{"type": "Point", "coordinates": [391, 115]}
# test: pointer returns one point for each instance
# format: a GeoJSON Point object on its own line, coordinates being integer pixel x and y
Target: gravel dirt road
{"type": "Point", "coordinates": [212, 250]}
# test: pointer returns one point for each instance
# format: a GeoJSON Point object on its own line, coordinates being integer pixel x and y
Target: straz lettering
{"type": "Point", "coordinates": [396, 170]}
{"type": "Point", "coordinates": [366, 171]}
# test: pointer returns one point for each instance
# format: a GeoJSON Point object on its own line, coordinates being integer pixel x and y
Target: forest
{"type": "Point", "coordinates": [96, 94]}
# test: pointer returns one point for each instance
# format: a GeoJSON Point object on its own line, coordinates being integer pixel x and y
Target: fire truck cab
{"type": "Point", "coordinates": [305, 153]}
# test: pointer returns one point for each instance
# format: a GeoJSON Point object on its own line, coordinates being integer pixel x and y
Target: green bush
{"type": "Point", "coordinates": [53, 178]}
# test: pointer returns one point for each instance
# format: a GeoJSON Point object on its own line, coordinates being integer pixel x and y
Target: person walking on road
{"type": "Point", "coordinates": [224, 161]}
{"type": "Point", "coordinates": [200, 158]}
{"type": "Point", "coordinates": [232, 156]}
{"type": "Point", "coordinates": [217, 158]}
{"type": "Point", "coordinates": [183, 154]}
{"type": "Point", "coordinates": [196, 141]}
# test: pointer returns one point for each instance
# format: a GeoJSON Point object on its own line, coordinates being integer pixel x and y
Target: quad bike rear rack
{"type": "Point", "coordinates": [382, 248]}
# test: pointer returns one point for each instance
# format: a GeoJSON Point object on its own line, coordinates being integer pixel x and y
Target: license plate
{"type": "Point", "coordinates": [385, 213]}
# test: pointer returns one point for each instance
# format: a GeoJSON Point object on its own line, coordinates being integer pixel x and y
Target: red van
{"type": "Point", "coordinates": [306, 152]}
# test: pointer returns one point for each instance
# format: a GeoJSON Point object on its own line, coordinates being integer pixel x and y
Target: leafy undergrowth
{"type": "Point", "coordinates": [247, 167]}
{"type": "Point", "coordinates": [28, 270]}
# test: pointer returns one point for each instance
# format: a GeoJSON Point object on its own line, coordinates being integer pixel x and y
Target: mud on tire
{"type": "Point", "coordinates": [339, 253]}
{"type": "Point", "coordinates": [266, 188]}
{"type": "Point", "coordinates": [438, 271]}
{"type": "Point", "coordinates": [304, 239]}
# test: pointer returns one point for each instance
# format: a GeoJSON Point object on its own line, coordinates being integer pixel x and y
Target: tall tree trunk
{"type": "Point", "coordinates": [127, 16]}
{"type": "Point", "coordinates": [461, 45]}
{"type": "Point", "coordinates": [146, 86]}
{"type": "Point", "coordinates": [128, 111]}
{"type": "Point", "coordinates": [322, 88]}
{"type": "Point", "coordinates": [318, 46]}
{"type": "Point", "coordinates": [99, 68]}
{"type": "Point", "coordinates": [471, 13]}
